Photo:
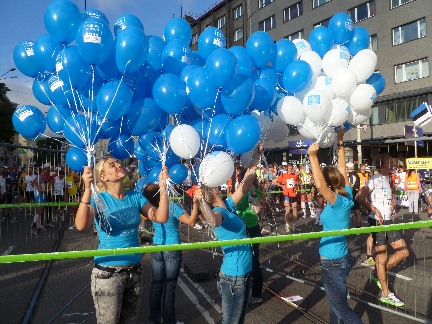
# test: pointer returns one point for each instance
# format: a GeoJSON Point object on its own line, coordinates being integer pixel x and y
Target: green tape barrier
{"type": "Point", "coordinates": [46, 204]}
{"type": "Point", "coordinates": [204, 245]}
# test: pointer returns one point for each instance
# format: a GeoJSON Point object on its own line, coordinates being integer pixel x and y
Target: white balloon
{"type": "Point", "coordinates": [371, 53]}
{"type": "Point", "coordinates": [301, 94]}
{"type": "Point", "coordinates": [340, 112]}
{"type": "Point", "coordinates": [302, 46]}
{"type": "Point", "coordinates": [316, 105]}
{"type": "Point", "coordinates": [216, 169]}
{"type": "Point", "coordinates": [335, 59]}
{"type": "Point", "coordinates": [278, 131]}
{"type": "Point", "coordinates": [362, 118]}
{"type": "Point", "coordinates": [363, 65]}
{"type": "Point", "coordinates": [363, 97]}
{"type": "Point", "coordinates": [185, 141]}
{"type": "Point", "coordinates": [323, 83]}
{"type": "Point", "coordinates": [290, 110]}
{"type": "Point", "coordinates": [344, 82]}
{"type": "Point", "coordinates": [264, 121]}
{"type": "Point", "coordinates": [327, 138]}
{"type": "Point", "coordinates": [314, 61]}
{"type": "Point", "coordinates": [309, 129]}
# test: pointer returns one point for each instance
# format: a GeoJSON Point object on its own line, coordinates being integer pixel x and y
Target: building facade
{"type": "Point", "coordinates": [399, 36]}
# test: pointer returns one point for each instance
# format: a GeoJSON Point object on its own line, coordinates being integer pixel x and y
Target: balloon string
{"type": "Point", "coordinates": [210, 123]}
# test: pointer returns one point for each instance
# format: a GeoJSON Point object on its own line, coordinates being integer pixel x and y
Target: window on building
{"type": "Point", "coordinates": [221, 22]}
{"type": "Point", "coordinates": [263, 3]}
{"type": "Point", "coordinates": [363, 11]}
{"type": "Point", "coordinates": [237, 12]}
{"type": "Point", "coordinates": [412, 70]}
{"type": "Point", "coordinates": [373, 42]}
{"type": "Point", "coordinates": [323, 23]}
{"type": "Point", "coordinates": [267, 24]}
{"type": "Point", "coordinates": [194, 39]}
{"type": "Point", "coordinates": [293, 11]}
{"type": "Point", "coordinates": [238, 34]}
{"type": "Point", "coordinates": [397, 3]}
{"type": "Point", "coordinates": [317, 3]}
{"type": "Point", "coordinates": [409, 32]}
{"type": "Point", "coordinates": [296, 35]}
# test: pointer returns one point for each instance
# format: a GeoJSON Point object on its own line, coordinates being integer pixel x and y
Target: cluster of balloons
{"type": "Point", "coordinates": [156, 99]}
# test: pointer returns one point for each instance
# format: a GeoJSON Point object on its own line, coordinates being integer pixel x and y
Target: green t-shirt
{"type": "Point", "coordinates": [245, 211]}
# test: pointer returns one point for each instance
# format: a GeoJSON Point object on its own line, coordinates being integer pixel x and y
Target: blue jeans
{"type": "Point", "coordinates": [165, 272]}
{"type": "Point", "coordinates": [235, 294]}
{"type": "Point", "coordinates": [334, 275]}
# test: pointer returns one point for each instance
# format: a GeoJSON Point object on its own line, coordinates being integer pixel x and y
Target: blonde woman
{"type": "Point", "coordinates": [116, 280]}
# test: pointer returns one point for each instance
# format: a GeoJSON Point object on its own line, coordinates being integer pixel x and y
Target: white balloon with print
{"type": "Point", "coordinates": [361, 118]}
{"type": "Point", "coordinates": [216, 169]}
{"type": "Point", "coordinates": [335, 59]}
{"type": "Point", "coordinates": [184, 141]}
{"type": "Point", "coordinates": [309, 129]}
{"type": "Point", "coordinates": [327, 138]}
{"type": "Point", "coordinates": [363, 65]}
{"type": "Point", "coordinates": [344, 82]}
{"type": "Point", "coordinates": [317, 105]}
{"type": "Point", "coordinates": [314, 60]}
{"type": "Point", "coordinates": [278, 130]}
{"type": "Point", "coordinates": [363, 97]}
{"type": "Point", "coordinates": [302, 46]}
{"type": "Point", "coordinates": [290, 110]}
{"type": "Point", "coordinates": [340, 112]}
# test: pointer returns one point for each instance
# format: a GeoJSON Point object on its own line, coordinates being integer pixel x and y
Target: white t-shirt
{"type": "Point", "coordinates": [59, 185]}
{"type": "Point", "coordinates": [28, 180]}
{"type": "Point", "coordinates": [401, 182]}
{"type": "Point", "coordinates": [381, 195]}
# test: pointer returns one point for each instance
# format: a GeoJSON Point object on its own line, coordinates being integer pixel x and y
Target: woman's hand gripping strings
{"type": "Point", "coordinates": [85, 214]}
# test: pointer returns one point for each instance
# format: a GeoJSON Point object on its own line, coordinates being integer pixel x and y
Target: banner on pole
{"type": "Point", "coordinates": [419, 163]}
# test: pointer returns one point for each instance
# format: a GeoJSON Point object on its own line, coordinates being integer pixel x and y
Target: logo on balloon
{"type": "Point", "coordinates": [314, 101]}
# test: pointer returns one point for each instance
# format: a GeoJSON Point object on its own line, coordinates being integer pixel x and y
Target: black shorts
{"type": "Point", "coordinates": [292, 199]}
{"type": "Point", "coordinates": [381, 238]}
{"type": "Point", "coordinates": [356, 205]}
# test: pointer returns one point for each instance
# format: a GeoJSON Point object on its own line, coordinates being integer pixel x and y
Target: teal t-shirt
{"type": "Point", "coordinates": [336, 217]}
{"type": "Point", "coordinates": [117, 222]}
{"type": "Point", "coordinates": [237, 259]}
{"type": "Point", "coordinates": [168, 233]}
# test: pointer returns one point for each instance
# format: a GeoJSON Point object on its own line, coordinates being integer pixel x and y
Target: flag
{"type": "Point", "coordinates": [422, 114]}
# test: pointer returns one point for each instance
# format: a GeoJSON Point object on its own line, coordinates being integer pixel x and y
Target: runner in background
{"type": "Point", "coordinates": [72, 181]}
{"type": "Point", "coordinates": [306, 190]}
{"type": "Point", "coordinates": [354, 182]}
{"type": "Point", "coordinates": [59, 195]}
{"type": "Point", "coordinates": [413, 190]}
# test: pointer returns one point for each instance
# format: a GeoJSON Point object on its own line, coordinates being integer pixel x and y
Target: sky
{"type": "Point", "coordinates": [24, 20]}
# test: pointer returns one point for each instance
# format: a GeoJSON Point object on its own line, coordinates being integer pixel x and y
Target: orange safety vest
{"type": "Point", "coordinates": [411, 182]}
{"type": "Point", "coordinates": [363, 179]}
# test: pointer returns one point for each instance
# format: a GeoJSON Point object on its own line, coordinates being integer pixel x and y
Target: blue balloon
{"type": "Point", "coordinates": [81, 131]}
{"type": "Point", "coordinates": [177, 28]}
{"type": "Point", "coordinates": [217, 127]}
{"type": "Point", "coordinates": [210, 39]}
{"type": "Point", "coordinates": [359, 41]}
{"type": "Point", "coordinates": [186, 71]}
{"type": "Point", "coordinates": [142, 182]}
{"type": "Point", "coordinates": [153, 144]}
{"type": "Point", "coordinates": [242, 134]}
{"type": "Point", "coordinates": [166, 132]}
{"type": "Point", "coordinates": [94, 41]}
{"type": "Point", "coordinates": [71, 68]}
{"type": "Point", "coordinates": [171, 158]}
{"type": "Point", "coordinates": [196, 59]}
{"type": "Point", "coordinates": [121, 147]}
{"type": "Point", "coordinates": [55, 120]}
{"type": "Point", "coordinates": [142, 171]}
{"type": "Point", "coordinates": [169, 92]}
{"type": "Point", "coordinates": [261, 48]}
{"type": "Point", "coordinates": [114, 100]}
{"type": "Point", "coordinates": [137, 84]}
{"type": "Point", "coordinates": [221, 67]}
{"type": "Point", "coordinates": [244, 60]}
{"type": "Point", "coordinates": [139, 152]}
{"type": "Point", "coordinates": [175, 57]}
{"type": "Point", "coordinates": [297, 76]}
{"type": "Point", "coordinates": [109, 129]}
{"type": "Point", "coordinates": [91, 88]}
{"type": "Point", "coordinates": [29, 121]}
{"type": "Point", "coordinates": [46, 49]}
{"type": "Point", "coordinates": [76, 159]}
{"type": "Point", "coordinates": [341, 27]}
{"type": "Point", "coordinates": [96, 14]}
{"type": "Point", "coordinates": [150, 75]}
{"type": "Point", "coordinates": [108, 68]}
{"type": "Point", "coordinates": [62, 19]}
{"type": "Point", "coordinates": [321, 40]}
{"type": "Point", "coordinates": [237, 95]}
{"type": "Point", "coordinates": [153, 175]}
{"type": "Point", "coordinates": [178, 173]}
{"type": "Point", "coordinates": [211, 111]}
{"type": "Point", "coordinates": [286, 52]}
{"type": "Point", "coordinates": [201, 126]}
{"type": "Point", "coordinates": [201, 92]}
{"type": "Point", "coordinates": [143, 116]}
{"type": "Point", "coordinates": [41, 90]}
{"type": "Point", "coordinates": [265, 94]}
{"type": "Point", "coordinates": [377, 81]}
{"type": "Point", "coordinates": [127, 21]}
{"type": "Point", "coordinates": [25, 60]}
{"type": "Point", "coordinates": [156, 48]}
{"type": "Point", "coordinates": [131, 50]}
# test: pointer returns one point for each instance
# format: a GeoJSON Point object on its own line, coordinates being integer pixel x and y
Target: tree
{"type": "Point", "coordinates": [7, 109]}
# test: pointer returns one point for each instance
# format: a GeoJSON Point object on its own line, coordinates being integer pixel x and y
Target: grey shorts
{"type": "Point", "coordinates": [381, 238]}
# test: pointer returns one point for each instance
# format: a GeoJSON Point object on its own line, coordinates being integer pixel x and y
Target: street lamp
{"type": "Point", "coordinates": [10, 70]}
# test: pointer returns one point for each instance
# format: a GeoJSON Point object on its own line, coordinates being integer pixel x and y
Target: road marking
{"type": "Point", "coordinates": [203, 293]}
{"type": "Point", "coordinates": [9, 250]}
{"type": "Point", "coordinates": [193, 298]}
{"type": "Point", "coordinates": [397, 275]}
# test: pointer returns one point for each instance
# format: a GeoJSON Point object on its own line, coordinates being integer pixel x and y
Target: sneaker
{"type": "Point", "coordinates": [287, 228]}
{"type": "Point", "coordinates": [13, 220]}
{"type": "Point", "coordinates": [391, 299]}
{"type": "Point", "coordinates": [369, 262]}
{"type": "Point", "coordinates": [72, 227]}
{"type": "Point", "coordinates": [34, 231]}
{"type": "Point", "coordinates": [51, 224]}
{"type": "Point", "coordinates": [254, 300]}
{"type": "Point", "coordinates": [376, 280]}
{"type": "Point", "coordinates": [295, 229]}
{"type": "Point", "coordinates": [197, 226]}
{"type": "Point", "coordinates": [40, 228]}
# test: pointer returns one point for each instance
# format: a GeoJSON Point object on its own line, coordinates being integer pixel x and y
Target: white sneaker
{"type": "Point", "coordinates": [391, 299]}
{"type": "Point", "coordinates": [287, 228]}
{"type": "Point", "coordinates": [197, 226]}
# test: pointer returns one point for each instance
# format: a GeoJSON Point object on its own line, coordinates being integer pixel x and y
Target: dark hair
{"type": "Point", "coordinates": [151, 192]}
{"type": "Point", "coordinates": [335, 180]}
{"type": "Point", "coordinates": [381, 160]}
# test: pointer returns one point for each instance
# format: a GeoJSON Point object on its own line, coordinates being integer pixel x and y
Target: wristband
{"type": "Point", "coordinates": [88, 204]}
